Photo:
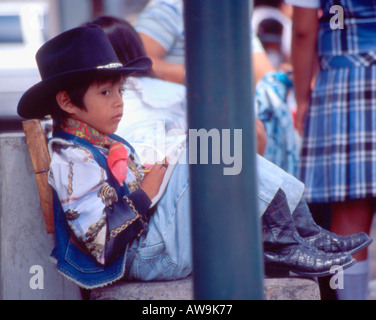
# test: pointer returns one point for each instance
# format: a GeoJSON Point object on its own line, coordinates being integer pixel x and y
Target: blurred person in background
{"type": "Point", "coordinates": [335, 117]}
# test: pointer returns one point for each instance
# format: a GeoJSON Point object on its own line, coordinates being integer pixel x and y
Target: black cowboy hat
{"type": "Point", "coordinates": [76, 54]}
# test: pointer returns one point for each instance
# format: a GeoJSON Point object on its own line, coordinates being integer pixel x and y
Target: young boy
{"type": "Point", "coordinates": [104, 227]}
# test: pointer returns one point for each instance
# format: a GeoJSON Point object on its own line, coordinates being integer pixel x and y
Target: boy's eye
{"type": "Point", "coordinates": [122, 91]}
{"type": "Point", "coordinates": [106, 92]}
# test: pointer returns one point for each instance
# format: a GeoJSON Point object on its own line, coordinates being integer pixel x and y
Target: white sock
{"type": "Point", "coordinates": [355, 282]}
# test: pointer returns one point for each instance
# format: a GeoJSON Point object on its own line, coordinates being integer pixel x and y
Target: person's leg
{"type": "Point", "coordinates": [352, 217]}
{"type": "Point", "coordinates": [347, 218]}
{"type": "Point", "coordinates": [271, 178]}
{"type": "Point", "coordinates": [165, 252]}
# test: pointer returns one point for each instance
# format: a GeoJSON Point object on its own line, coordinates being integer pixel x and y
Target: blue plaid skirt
{"type": "Point", "coordinates": [338, 155]}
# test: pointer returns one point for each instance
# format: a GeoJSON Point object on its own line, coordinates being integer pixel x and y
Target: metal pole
{"type": "Point", "coordinates": [227, 254]}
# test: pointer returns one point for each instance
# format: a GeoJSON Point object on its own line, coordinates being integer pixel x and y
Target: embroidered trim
{"type": "Point", "coordinates": [133, 185]}
{"type": "Point", "coordinates": [71, 214]}
{"type": "Point", "coordinates": [70, 179]}
{"type": "Point", "coordinates": [133, 167]}
{"type": "Point", "coordinates": [116, 231]}
{"type": "Point", "coordinates": [96, 284]}
{"type": "Point", "coordinates": [108, 195]}
{"type": "Point", "coordinates": [102, 176]}
{"type": "Point", "coordinates": [93, 236]}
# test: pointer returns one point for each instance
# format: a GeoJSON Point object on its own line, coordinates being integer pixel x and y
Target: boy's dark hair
{"type": "Point", "coordinates": [76, 93]}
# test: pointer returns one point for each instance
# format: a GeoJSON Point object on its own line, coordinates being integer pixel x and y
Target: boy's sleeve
{"type": "Point", "coordinates": [160, 20]}
{"type": "Point", "coordinates": [100, 221]}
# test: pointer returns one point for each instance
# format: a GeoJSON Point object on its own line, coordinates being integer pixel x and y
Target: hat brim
{"type": "Point", "coordinates": [40, 99]}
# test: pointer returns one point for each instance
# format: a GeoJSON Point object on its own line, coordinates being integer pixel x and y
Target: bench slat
{"type": "Point", "coordinates": [40, 158]}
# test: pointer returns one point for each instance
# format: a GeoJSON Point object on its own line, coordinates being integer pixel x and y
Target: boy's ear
{"type": "Point", "coordinates": [65, 102]}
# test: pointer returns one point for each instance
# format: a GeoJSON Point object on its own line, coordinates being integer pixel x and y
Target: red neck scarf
{"type": "Point", "coordinates": [117, 154]}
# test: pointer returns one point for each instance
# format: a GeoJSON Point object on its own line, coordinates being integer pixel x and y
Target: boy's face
{"type": "Point", "coordinates": [104, 106]}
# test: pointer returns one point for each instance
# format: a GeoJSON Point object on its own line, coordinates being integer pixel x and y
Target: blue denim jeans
{"type": "Point", "coordinates": [270, 179]}
{"type": "Point", "coordinates": [165, 252]}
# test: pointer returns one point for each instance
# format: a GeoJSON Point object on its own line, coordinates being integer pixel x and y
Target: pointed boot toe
{"type": "Point", "coordinates": [330, 242]}
{"type": "Point", "coordinates": [323, 239]}
{"type": "Point", "coordinates": [304, 260]}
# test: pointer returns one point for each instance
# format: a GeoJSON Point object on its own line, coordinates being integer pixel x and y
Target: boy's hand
{"type": "Point", "coordinates": [153, 180]}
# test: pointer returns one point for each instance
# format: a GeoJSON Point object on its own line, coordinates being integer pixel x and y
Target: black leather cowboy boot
{"type": "Point", "coordinates": [285, 250]}
{"type": "Point", "coordinates": [323, 239]}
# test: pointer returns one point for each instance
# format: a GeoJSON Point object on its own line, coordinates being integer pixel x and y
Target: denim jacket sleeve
{"type": "Point", "coordinates": [102, 222]}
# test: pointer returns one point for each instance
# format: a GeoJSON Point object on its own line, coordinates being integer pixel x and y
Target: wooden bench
{"type": "Point", "coordinates": [37, 144]}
